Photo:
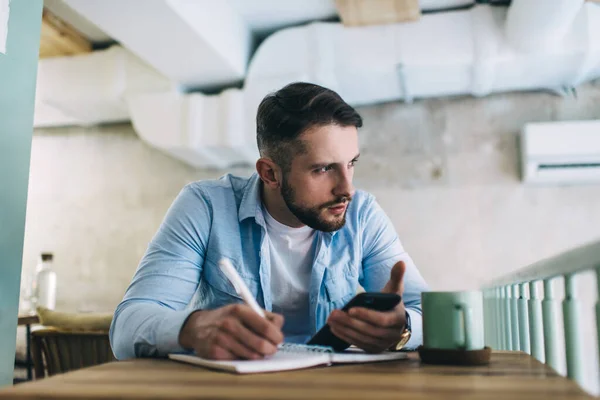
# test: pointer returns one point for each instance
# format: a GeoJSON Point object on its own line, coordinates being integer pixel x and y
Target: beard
{"type": "Point", "coordinates": [312, 216]}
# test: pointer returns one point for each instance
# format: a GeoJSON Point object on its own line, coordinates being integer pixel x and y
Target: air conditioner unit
{"type": "Point", "coordinates": [566, 152]}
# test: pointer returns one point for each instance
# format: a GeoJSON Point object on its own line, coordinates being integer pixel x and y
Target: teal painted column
{"type": "Point", "coordinates": [523, 319]}
{"type": "Point", "coordinates": [572, 332]}
{"type": "Point", "coordinates": [550, 310]}
{"type": "Point", "coordinates": [18, 70]}
{"type": "Point", "coordinates": [536, 327]}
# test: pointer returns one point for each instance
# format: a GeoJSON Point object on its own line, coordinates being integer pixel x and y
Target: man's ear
{"type": "Point", "coordinates": [269, 172]}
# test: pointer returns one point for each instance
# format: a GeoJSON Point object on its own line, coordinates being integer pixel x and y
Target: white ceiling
{"type": "Point", "coordinates": [260, 15]}
{"type": "Point", "coordinates": [199, 44]}
{"type": "Point", "coordinates": [83, 25]}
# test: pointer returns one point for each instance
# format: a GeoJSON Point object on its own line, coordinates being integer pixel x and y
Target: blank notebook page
{"type": "Point", "coordinates": [280, 361]}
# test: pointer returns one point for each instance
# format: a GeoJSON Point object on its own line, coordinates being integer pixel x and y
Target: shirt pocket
{"type": "Point", "coordinates": [340, 285]}
{"type": "Point", "coordinates": [218, 291]}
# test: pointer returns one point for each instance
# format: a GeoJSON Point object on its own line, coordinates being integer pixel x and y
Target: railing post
{"type": "Point", "coordinates": [514, 315]}
{"type": "Point", "coordinates": [493, 319]}
{"type": "Point", "coordinates": [550, 318]}
{"type": "Point", "coordinates": [488, 318]}
{"type": "Point", "coordinates": [536, 332]}
{"type": "Point", "coordinates": [572, 331]}
{"type": "Point", "coordinates": [500, 319]}
{"type": "Point", "coordinates": [598, 309]}
{"type": "Point", "coordinates": [523, 319]}
{"type": "Point", "coordinates": [506, 294]}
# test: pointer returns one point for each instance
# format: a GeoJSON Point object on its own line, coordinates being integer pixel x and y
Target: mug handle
{"type": "Point", "coordinates": [467, 313]}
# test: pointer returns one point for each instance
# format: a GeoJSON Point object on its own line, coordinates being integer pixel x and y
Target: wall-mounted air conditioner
{"type": "Point", "coordinates": [566, 152]}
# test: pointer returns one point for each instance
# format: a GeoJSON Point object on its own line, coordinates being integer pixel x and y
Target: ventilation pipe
{"type": "Point", "coordinates": [453, 53]}
{"type": "Point", "coordinates": [92, 88]}
{"type": "Point", "coordinates": [539, 25]}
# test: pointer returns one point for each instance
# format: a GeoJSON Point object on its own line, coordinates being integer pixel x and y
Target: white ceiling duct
{"type": "Point", "coordinates": [203, 131]}
{"type": "Point", "coordinates": [91, 88]}
{"type": "Point", "coordinates": [453, 53]}
{"type": "Point", "coordinates": [463, 52]}
{"type": "Point", "coordinates": [536, 25]}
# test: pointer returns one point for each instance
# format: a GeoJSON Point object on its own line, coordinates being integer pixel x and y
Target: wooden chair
{"type": "Point", "coordinates": [56, 351]}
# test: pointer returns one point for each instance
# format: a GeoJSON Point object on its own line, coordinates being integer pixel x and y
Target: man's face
{"type": "Point", "coordinates": [318, 186]}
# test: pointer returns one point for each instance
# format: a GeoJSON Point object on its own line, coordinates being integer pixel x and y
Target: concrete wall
{"type": "Point", "coordinates": [445, 170]}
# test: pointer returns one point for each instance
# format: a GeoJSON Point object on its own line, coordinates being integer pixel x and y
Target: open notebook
{"type": "Point", "coordinates": [290, 356]}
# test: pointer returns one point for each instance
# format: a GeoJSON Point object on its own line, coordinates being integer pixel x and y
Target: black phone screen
{"type": "Point", "coordinates": [370, 300]}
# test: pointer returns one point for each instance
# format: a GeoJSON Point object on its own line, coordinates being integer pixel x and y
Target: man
{"type": "Point", "coordinates": [297, 232]}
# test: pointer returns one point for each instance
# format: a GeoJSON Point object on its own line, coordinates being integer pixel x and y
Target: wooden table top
{"type": "Point", "coordinates": [28, 319]}
{"type": "Point", "coordinates": [511, 375]}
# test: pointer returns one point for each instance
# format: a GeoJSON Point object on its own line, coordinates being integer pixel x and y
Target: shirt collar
{"type": "Point", "coordinates": [251, 201]}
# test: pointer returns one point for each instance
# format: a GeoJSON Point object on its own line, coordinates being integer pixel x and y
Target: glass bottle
{"type": "Point", "coordinates": [43, 288]}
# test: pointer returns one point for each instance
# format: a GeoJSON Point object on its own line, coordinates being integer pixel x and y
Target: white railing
{"type": "Point", "coordinates": [519, 317]}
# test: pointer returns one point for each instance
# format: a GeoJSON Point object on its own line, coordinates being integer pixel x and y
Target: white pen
{"type": "Point", "coordinates": [239, 285]}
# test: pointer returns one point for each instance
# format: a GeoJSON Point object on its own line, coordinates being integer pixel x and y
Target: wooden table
{"type": "Point", "coordinates": [28, 320]}
{"type": "Point", "coordinates": [511, 375]}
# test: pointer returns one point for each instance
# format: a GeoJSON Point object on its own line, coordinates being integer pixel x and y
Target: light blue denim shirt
{"type": "Point", "coordinates": [223, 218]}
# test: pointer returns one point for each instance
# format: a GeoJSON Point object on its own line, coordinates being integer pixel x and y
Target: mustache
{"type": "Point", "coordinates": [340, 201]}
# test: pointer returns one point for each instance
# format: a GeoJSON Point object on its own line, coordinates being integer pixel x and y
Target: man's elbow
{"type": "Point", "coordinates": [120, 335]}
{"type": "Point", "coordinates": [120, 350]}
{"type": "Point", "coordinates": [129, 336]}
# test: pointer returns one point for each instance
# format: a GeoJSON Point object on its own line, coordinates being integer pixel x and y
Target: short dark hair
{"type": "Point", "coordinates": [287, 113]}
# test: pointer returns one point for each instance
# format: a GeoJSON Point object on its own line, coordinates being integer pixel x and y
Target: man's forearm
{"type": "Point", "coordinates": [144, 329]}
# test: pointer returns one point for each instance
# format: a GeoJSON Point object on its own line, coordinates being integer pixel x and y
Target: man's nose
{"type": "Point", "coordinates": [344, 187]}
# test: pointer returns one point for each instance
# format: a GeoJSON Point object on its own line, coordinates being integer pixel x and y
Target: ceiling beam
{"type": "Point", "coordinates": [377, 12]}
{"type": "Point", "coordinates": [60, 39]}
{"type": "Point", "coordinates": [198, 44]}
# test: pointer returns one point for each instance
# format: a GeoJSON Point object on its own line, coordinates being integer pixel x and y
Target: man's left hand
{"type": "Point", "coordinates": [373, 331]}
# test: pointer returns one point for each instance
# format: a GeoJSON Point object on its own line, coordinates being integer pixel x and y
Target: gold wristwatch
{"type": "Point", "coordinates": [405, 337]}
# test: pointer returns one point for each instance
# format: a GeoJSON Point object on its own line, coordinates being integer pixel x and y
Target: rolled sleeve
{"type": "Point", "coordinates": [167, 332]}
{"type": "Point", "coordinates": [416, 322]}
{"type": "Point", "coordinates": [148, 320]}
{"type": "Point", "coordinates": [381, 250]}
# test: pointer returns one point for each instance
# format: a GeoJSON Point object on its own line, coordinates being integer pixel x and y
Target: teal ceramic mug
{"type": "Point", "coordinates": [453, 320]}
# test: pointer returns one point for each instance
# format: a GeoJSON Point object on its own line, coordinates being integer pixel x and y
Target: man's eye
{"type": "Point", "coordinates": [353, 163]}
{"type": "Point", "coordinates": [324, 169]}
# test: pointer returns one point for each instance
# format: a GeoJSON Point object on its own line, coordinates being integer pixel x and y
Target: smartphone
{"type": "Point", "coordinates": [370, 300]}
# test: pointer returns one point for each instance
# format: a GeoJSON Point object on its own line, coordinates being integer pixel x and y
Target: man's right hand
{"type": "Point", "coordinates": [232, 332]}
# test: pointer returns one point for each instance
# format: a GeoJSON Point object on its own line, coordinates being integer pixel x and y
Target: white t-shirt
{"type": "Point", "coordinates": [291, 253]}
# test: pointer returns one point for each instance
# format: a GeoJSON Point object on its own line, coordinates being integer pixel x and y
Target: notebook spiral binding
{"type": "Point", "coordinates": [304, 348]}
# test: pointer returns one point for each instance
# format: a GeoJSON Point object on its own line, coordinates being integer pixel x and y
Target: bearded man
{"type": "Point", "coordinates": [297, 232]}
